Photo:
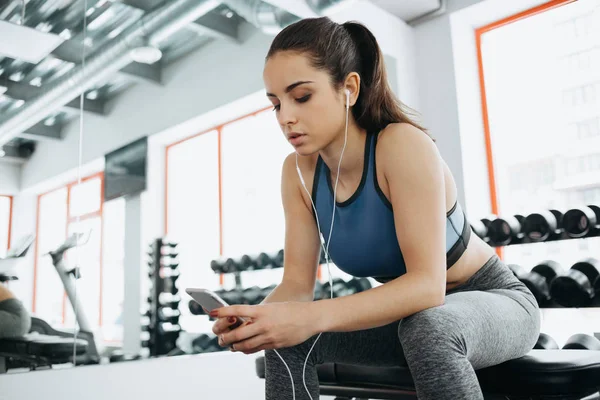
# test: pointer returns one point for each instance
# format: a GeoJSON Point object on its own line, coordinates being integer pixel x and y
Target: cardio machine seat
{"type": "Point", "coordinates": [565, 373]}
{"type": "Point", "coordinates": [54, 348]}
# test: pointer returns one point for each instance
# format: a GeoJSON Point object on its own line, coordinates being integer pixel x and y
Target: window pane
{"type": "Point", "coordinates": [4, 223]}
{"type": "Point", "coordinates": [51, 234]}
{"type": "Point", "coordinates": [85, 197]}
{"type": "Point", "coordinates": [193, 216]}
{"type": "Point", "coordinates": [113, 285]}
{"type": "Point", "coordinates": [87, 258]}
{"type": "Point", "coordinates": [253, 219]}
{"type": "Point", "coordinates": [542, 161]}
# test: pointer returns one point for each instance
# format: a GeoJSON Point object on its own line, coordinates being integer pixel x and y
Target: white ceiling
{"type": "Point", "coordinates": [407, 9]}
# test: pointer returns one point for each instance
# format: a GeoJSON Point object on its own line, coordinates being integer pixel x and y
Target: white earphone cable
{"type": "Point", "coordinates": [324, 246]}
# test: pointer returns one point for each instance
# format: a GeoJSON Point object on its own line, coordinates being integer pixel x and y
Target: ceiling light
{"type": "Point", "coordinates": [229, 14]}
{"type": "Point", "coordinates": [44, 27]}
{"type": "Point", "coordinates": [66, 34]}
{"type": "Point", "coordinates": [2, 153]}
{"type": "Point", "coordinates": [90, 11]}
{"type": "Point", "coordinates": [88, 41]}
{"type": "Point", "coordinates": [50, 121]}
{"type": "Point", "coordinates": [3, 90]}
{"type": "Point", "coordinates": [26, 44]}
{"type": "Point", "coordinates": [17, 76]}
{"type": "Point", "coordinates": [37, 81]}
{"type": "Point", "coordinates": [92, 95]}
{"type": "Point", "coordinates": [146, 54]}
{"type": "Point", "coordinates": [19, 103]}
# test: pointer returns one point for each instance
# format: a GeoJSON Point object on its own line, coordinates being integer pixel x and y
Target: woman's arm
{"type": "Point", "coordinates": [414, 172]}
{"type": "Point", "coordinates": [5, 293]}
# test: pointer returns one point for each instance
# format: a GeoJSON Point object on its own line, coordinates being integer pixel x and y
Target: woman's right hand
{"type": "Point", "coordinates": [222, 325]}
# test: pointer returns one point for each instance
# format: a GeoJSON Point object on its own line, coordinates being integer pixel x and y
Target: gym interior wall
{"type": "Point", "coordinates": [139, 156]}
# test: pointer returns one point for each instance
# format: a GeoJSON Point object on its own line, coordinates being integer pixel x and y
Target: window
{"type": "Point", "coordinates": [588, 128]}
{"type": "Point", "coordinates": [5, 219]}
{"type": "Point", "coordinates": [536, 114]}
{"type": "Point", "coordinates": [224, 200]}
{"type": "Point", "coordinates": [78, 207]}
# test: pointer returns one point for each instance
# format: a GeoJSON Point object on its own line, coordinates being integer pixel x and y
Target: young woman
{"type": "Point", "coordinates": [447, 306]}
{"type": "Point", "coordinates": [14, 318]}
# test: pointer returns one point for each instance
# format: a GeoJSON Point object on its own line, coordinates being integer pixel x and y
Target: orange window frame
{"type": "Point", "coordinates": [219, 129]}
{"type": "Point", "coordinates": [10, 216]}
{"type": "Point", "coordinates": [71, 219]}
{"type": "Point", "coordinates": [479, 32]}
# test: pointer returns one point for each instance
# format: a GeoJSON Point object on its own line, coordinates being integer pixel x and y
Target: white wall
{"type": "Point", "coordinates": [10, 178]}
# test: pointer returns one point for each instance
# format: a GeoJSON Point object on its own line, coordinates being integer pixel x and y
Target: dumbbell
{"type": "Point", "coordinates": [338, 284]}
{"type": "Point", "coordinates": [540, 278]}
{"type": "Point", "coordinates": [581, 341]}
{"type": "Point", "coordinates": [581, 222]}
{"type": "Point", "coordinates": [231, 297]}
{"type": "Point", "coordinates": [168, 300]}
{"type": "Point", "coordinates": [357, 285]}
{"type": "Point", "coordinates": [481, 227]}
{"type": "Point", "coordinates": [270, 260]}
{"type": "Point", "coordinates": [218, 265]}
{"type": "Point", "coordinates": [517, 270]}
{"type": "Point", "coordinates": [252, 295]}
{"type": "Point", "coordinates": [575, 288]}
{"type": "Point", "coordinates": [503, 231]}
{"type": "Point", "coordinates": [167, 327]}
{"type": "Point", "coordinates": [546, 342]}
{"type": "Point", "coordinates": [266, 291]}
{"type": "Point", "coordinates": [225, 265]}
{"type": "Point", "coordinates": [248, 262]}
{"type": "Point", "coordinates": [195, 308]}
{"type": "Point", "coordinates": [169, 314]}
{"type": "Point", "coordinates": [204, 344]}
{"type": "Point", "coordinates": [542, 226]}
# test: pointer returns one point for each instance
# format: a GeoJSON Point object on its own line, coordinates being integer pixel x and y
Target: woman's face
{"type": "Point", "coordinates": [310, 112]}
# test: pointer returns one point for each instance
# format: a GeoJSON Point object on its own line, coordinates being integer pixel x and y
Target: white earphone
{"type": "Point", "coordinates": [324, 245]}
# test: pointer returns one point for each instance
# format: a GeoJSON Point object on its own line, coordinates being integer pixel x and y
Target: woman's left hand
{"type": "Point", "coordinates": [270, 326]}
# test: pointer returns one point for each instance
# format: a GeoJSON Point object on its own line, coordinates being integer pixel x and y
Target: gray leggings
{"type": "Point", "coordinates": [489, 319]}
{"type": "Point", "coordinates": [14, 319]}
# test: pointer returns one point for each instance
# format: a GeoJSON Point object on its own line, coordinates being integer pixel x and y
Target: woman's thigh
{"type": "Point", "coordinates": [488, 327]}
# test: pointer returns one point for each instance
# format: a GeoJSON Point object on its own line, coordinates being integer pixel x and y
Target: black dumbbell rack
{"type": "Point", "coordinates": [545, 226]}
{"type": "Point", "coordinates": [161, 330]}
{"type": "Point", "coordinates": [552, 224]}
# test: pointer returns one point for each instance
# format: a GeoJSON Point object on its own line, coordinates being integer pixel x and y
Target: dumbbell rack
{"type": "Point", "coordinates": [527, 233]}
{"type": "Point", "coordinates": [160, 324]}
{"type": "Point", "coordinates": [543, 227]}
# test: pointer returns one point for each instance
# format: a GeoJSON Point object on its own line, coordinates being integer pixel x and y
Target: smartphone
{"type": "Point", "coordinates": [210, 301]}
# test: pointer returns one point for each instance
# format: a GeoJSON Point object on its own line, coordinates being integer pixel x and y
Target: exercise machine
{"type": "Point", "coordinates": [45, 346]}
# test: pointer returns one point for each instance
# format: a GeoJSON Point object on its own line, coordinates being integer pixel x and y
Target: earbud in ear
{"type": "Point", "coordinates": [347, 98]}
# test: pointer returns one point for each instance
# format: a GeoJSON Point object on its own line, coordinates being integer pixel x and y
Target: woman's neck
{"type": "Point", "coordinates": [353, 157]}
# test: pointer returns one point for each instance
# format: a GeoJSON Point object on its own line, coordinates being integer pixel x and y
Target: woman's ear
{"type": "Point", "coordinates": [352, 84]}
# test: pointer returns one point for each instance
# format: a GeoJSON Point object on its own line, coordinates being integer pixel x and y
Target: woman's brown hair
{"type": "Point", "coordinates": [341, 49]}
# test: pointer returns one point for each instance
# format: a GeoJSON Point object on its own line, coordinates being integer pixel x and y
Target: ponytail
{"type": "Point", "coordinates": [340, 50]}
{"type": "Point", "coordinates": [376, 106]}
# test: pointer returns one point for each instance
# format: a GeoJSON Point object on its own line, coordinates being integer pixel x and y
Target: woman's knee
{"type": "Point", "coordinates": [14, 321]}
{"type": "Point", "coordinates": [432, 329]}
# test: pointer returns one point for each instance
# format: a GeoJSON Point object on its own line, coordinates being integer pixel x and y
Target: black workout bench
{"type": "Point", "coordinates": [36, 351]}
{"type": "Point", "coordinates": [541, 374]}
